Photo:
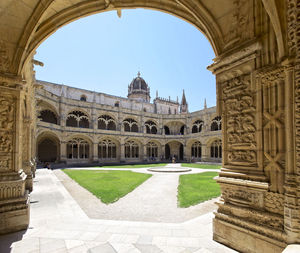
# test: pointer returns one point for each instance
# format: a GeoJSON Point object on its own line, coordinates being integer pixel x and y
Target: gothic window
{"type": "Point", "coordinates": [151, 127]}
{"type": "Point", "coordinates": [216, 149]}
{"type": "Point", "coordinates": [78, 148]}
{"type": "Point", "coordinates": [130, 125]}
{"type": "Point", "coordinates": [196, 150]}
{"type": "Point", "coordinates": [77, 119]}
{"type": "Point", "coordinates": [106, 122]}
{"type": "Point", "coordinates": [82, 98]}
{"type": "Point", "coordinates": [216, 124]}
{"type": "Point", "coordinates": [131, 149]}
{"type": "Point", "coordinates": [152, 150]}
{"type": "Point", "coordinates": [48, 116]}
{"type": "Point", "coordinates": [107, 149]}
{"type": "Point", "coordinates": [197, 126]}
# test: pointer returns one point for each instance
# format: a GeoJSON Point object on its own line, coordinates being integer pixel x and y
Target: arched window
{"type": "Point", "coordinates": [117, 104]}
{"type": "Point", "coordinates": [216, 124]}
{"type": "Point", "coordinates": [182, 130]}
{"type": "Point", "coordinates": [48, 116]}
{"type": "Point", "coordinates": [77, 119]}
{"type": "Point", "coordinates": [47, 150]}
{"type": "Point", "coordinates": [197, 126]}
{"type": "Point", "coordinates": [106, 122]}
{"type": "Point", "coordinates": [78, 148]}
{"type": "Point", "coordinates": [107, 149]}
{"type": "Point", "coordinates": [83, 98]}
{"type": "Point", "coordinates": [216, 149]}
{"type": "Point", "coordinates": [131, 149]}
{"type": "Point", "coordinates": [152, 150]}
{"type": "Point", "coordinates": [151, 127]}
{"type": "Point", "coordinates": [196, 149]}
{"type": "Point", "coordinates": [130, 125]}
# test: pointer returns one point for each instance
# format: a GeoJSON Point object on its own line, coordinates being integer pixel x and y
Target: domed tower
{"type": "Point", "coordinates": [139, 90]}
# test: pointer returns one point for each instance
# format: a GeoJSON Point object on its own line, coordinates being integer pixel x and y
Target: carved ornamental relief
{"type": "Point", "coordinates": [272, 83]}
{"type": "Point", "coordinates": [4, 60]}
{"type": "Point", "coordinates": [7, 115]}
{"type": "Point", "coordinates": [239, 114]}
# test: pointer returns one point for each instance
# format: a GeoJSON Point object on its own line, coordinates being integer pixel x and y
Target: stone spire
{"type": "Point", "coordinates": [156, 93]}
{"type": "Point", "coordinates": [184, 104]}
{"type": "Point", "coordinates": [205, 105]}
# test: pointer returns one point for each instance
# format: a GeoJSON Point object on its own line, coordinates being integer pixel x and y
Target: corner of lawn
{"type": "Point", "coordinates": [196, 188]}
{"type": "Point", "coordinates": [108, 186]}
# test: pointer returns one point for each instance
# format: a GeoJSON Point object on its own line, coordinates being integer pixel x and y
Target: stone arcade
{"type": "Point", "coordinates": [257, 44]}
{"type": "Point", "coordinates": [80, 126]}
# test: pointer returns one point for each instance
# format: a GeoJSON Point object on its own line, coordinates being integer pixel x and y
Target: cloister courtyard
{"type": "Point", "coordinates": [66, 217]}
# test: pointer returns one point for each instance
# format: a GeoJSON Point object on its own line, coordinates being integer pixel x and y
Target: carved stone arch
{"type": "Point", "coordinates": [78, 118]}
{"type": "Point", "coordinates": [40, 26]}
{"type": "Point", "coordinates": [108, 148]}
{"type": "Point", "coordinates": [80, 109]}
{"type": "Point", "coordinates": [130, 125]}
{"type": "Point", "coordinates": [44, 105]}
{"type": "Point", "coordinates": [107, 122]}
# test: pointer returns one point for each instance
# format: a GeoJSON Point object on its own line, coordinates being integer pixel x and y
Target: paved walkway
{"type": "Point", "coordinates": [155, 200]}
{"type": "Point", "coordinates": [58, 224]}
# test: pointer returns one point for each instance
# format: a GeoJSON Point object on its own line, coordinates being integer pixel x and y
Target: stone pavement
{"type": "Point", "coordinates": [58, 224]}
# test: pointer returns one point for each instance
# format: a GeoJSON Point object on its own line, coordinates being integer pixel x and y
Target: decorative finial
{"type": "Point", "coordinates": [139, 74]}
{"type": "Point", "coordinates": [205, 105]}
{"type": "Point", "coordinates": [156, 93]}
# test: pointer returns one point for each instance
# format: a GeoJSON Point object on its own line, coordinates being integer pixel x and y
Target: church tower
{"type": "Point", "coordinates": [184, 104]}
{"type": "Point", "coordinates": [139, 90]}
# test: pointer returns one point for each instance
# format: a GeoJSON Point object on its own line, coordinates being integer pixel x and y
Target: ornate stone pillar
{"type": "Point", "coordinates": [144, 154]}
{"type": "Point", "coordinates": [252, 105]}
{"type": "Point", "coordinates": [14, 200]}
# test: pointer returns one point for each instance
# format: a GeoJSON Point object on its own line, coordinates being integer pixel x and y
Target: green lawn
{"type": "Point", "coordinates": [201, 166]}
{"type": "Point", "coordinates": [196, 188]}
{"type": "Point", "coordinates": [109, 186]}
{"type": "Point", "coordinates": [134, 166]}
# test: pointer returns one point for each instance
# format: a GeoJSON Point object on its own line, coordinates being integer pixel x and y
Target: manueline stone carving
{"type": "Point", "coordinates": [239, 109]}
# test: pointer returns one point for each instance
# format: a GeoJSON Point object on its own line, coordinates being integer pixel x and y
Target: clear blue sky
{"type": "Point", "coordinates": [104, 53]}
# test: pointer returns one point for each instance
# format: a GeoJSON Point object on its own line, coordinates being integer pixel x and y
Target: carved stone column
{"type": "Point", "coordinates": [63, 151]}
{"type": "Point", "coordinates": [122, 151]}
{"type": "Point", "coordinates": [95, 152]}
{"type": "Point", "coordinates": [14, 200]}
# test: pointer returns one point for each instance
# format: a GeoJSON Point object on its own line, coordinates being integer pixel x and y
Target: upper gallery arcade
{"type": "Point", "coordinates": [257, 48]}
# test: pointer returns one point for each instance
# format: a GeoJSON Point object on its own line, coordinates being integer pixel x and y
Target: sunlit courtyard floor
{"type": "Point", "coordinates": [61, 221]}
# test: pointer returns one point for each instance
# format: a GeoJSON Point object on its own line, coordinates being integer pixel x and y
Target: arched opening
{"type": "Point", "coordinates": [78, 149]}
{"type": "Point", "coordinates": [175, 150]}
{"type": "Point", "coordinates": [77, 119]}
{"type": "Point", "coordinates": [152, 151]}
{"type": "Point", "coordinates": [107, 150]}
{"type": "Point", "coordinates": [130, 125]}
{"type": "Point", "coordinates": [47, 150]}
{"type": "Point", "coordinates": [106, 122]}
{"type": "Point", "coordinates": [48, 116]}
{"type": "Point", "coordinates": [216, 150]}
{"type": "Point", "coordinates": [196, 150]}
{"type": "Point", "coordinates": [182, 130]}
{"type": "Point", "coordinates": [197, 126]}
{"type": "Point", "coordinates": [132, 150]}
{"type": "Point", "coordinates": [216, 124]}
{"type": "Point", "coordinates": [151, 127]}
{"type": "Point", "coordinates": [83, 98]}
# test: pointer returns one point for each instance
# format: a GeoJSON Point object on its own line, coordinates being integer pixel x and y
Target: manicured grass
{"type": "Point", "coordinates": [134, 166]}
{"type": "Point", "coordinates": [201, 166]}
{"type": "Point", "coordinates": [109, 186]}
{"type": "Point", "coordinates": [196, 188]}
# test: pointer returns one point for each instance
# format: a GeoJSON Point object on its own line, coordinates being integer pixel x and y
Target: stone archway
{"type": "Point", "coordinates": [47, 151]}
{"type": "Point", "coordinates": [257, 45]}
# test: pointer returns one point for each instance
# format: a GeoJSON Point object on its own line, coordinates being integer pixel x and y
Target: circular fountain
{"type": "Point", "coordinates": [170, 168]}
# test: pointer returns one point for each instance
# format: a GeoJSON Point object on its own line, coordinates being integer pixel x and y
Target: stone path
{"type": "Point", "coordinates": [58, 224]}
{"type": "Point", "coordinates": [155, 200]}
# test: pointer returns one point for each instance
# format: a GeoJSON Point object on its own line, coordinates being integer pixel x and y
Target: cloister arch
{"type": "Point", "coordinates": [257, 53]}
{"type": "Point", "coordinates": [79, 148]}
{"type": "Point", "coordinates": [48, 147]}
{"type": "Point", "coordinates": [78, 119]}
{"type": "Point", "coordinates": [107, 122]}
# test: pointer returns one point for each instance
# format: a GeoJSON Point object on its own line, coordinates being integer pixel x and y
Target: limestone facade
{"type": "Point", "coordinates": [257, 68]}
{"type": "Point", "coordinates": [80, 126]}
